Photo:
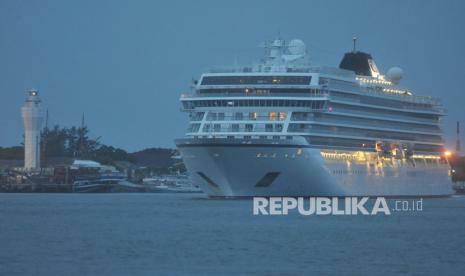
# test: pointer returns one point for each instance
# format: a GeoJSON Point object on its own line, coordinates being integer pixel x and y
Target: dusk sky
{"type": "Point", "coordinates": [125, 63]}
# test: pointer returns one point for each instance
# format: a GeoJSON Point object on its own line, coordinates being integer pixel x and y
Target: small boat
{"type": "Point", "coordinates": [170, 184]}
{"type": "Point", "coordinates": [459, 187]}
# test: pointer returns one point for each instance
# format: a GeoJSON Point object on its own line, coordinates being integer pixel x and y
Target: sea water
{"type": "Point", "coordinates": [172, 234]}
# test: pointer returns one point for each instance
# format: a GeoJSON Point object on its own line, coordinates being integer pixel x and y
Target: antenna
{"type": "Point", "coordinates": [45, 137]}
{"type": "Point", "coordinates": [82, 147]}
{"type": "Point", "coordinates": [457, 145]}
{"type": "Point", "coordinates": [354, 38]}
{"type": "Point", "coordinates": [83, 122]}
{"type": "Point", "coordinates": [46, 119]}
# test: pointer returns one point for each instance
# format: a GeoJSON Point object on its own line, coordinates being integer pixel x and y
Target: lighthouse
{"type": "Point", "coordinates": [32, 119]}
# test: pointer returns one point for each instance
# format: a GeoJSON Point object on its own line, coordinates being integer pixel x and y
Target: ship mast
{"type": "Point", "coordinates": [457, 144]}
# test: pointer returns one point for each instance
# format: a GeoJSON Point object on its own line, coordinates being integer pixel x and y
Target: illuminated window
{"type": "Point", "coordinates": [253, 115]}
{"type": "Point", "coordinates": [272, 116]}
{"type": "Point", "coordinates": [282, 116]}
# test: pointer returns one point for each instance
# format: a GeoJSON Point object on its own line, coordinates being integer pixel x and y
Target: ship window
{"type": "Point", "coordinates": [238, 116]}
{"type": "Point", "coordinates": [272, 116]}
{"type": "Point", "coordinates": [275, 80]}
{"type": "Point", "coordinates": [269, 127]}
{"type": "Point", "coordinates": [248, 127]}
{"type": "Point", "coordinates": [197, 116]}
{"type": "Point", "coordinates": [194, 128]}
{"type": "Point", "coordinates": [235, 127]}
{"type": "Point", "coordinates": [262, 103]}
{"type": "Point", "coordinates": [253, 115]}
{"type": "Point", "coordinates": [282, 116]}
{"type": "Point", "coordinates": [323, 81]}
{"type": "Point", "coordinates": [187, 105]}
{"type": "Point", "coordinates": [300, 116]}
{"type": "Point", "coordinates": [217, 127]}
{"type": "Point", "coordinates": [212, 116]}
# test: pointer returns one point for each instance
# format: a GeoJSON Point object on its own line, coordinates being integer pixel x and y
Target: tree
{"type": "Point", "coordinates": [12, 153]}
{"type": "Point", "coordinates": [108, 155]}
{"type": "Point", "coordinates": [75, 143]}
{"type": "Point", "coordinates": [56, 141]}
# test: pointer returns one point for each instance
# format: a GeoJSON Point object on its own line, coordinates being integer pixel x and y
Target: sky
{"type": "Point", "coordinates": [124, 64]}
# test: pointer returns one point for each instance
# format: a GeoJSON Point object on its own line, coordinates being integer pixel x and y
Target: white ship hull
{"type": "Point", "coordinates": [244, 168]}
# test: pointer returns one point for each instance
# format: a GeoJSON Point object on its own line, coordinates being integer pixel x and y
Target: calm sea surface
{"type": "Point", "coordinates": [171, 234]}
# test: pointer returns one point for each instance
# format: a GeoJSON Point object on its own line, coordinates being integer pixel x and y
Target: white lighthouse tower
{"type": "Point", "coordinates": [32, 118]}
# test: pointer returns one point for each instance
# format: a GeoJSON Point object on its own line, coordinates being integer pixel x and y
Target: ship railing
{"type": "Point", "coordinates": [406, 96]}
{"type": "Point", "coordinates": [256, 119]}
{"type": "Point", "coordinates": [432, 108]}
{"type": "Point", "coordinates": [333, 71]}
{"type": "Point", "coordinates": [255, 129]}
{"type": "Point", "coordinates": [312, 93]}
{"type": "Point", "coordinates": [239, 69]}
{"type": "Point", "coordinates": [302, 119]}
{"type": "Point", "coordinates": [403, 96]}
{"type": "Point", "coordinates": [362, 134]}
{"type": "Point", "coordinates": [391, 116]}
{"type": "Point", "coordinates": [255, 95]}
{"type": "Point", "coordinates": [261, 68]}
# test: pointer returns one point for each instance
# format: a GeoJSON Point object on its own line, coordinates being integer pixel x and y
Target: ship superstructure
{"type": "Point", "coordinates": [282, 127]}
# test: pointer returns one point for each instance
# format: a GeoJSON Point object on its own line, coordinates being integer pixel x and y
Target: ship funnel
{"type": "Point", "coordinates": [361, 63]}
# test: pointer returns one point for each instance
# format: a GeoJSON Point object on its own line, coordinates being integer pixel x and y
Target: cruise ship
{"type": "Point", "coordinates": [282, 127]}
